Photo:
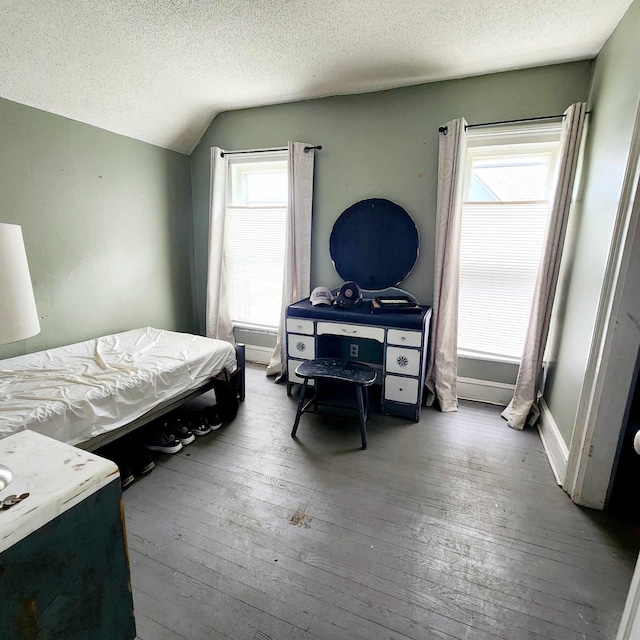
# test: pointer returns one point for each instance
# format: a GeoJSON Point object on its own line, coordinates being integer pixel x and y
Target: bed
{"type": "Point", "coordinates": [88, 394]}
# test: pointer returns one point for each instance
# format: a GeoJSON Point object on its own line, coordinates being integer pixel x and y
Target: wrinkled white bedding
{"type": "Point", "coordinates": [80, 391]}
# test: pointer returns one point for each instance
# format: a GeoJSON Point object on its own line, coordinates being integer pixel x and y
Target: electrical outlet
{"type": "Point", "coordinates": [353, 350]}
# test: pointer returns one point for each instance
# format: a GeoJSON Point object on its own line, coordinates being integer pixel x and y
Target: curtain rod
{"type": "Point", "coordinates": [233, 153]}
{"type": "Point", "coordinates": [560, 116]}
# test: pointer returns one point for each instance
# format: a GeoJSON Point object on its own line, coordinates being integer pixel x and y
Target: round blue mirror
{"type": "Point", "coordinates": [374, 243]}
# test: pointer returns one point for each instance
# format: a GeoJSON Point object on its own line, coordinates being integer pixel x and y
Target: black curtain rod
{"type": "Point", "coordinates": [233, 153]}
{"type": "Point", "coordinates": [560, 116]}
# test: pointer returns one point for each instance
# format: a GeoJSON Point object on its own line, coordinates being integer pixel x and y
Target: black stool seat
{"type": "Point", "coordinates": [348, 371]}
{"type": "Point", "coordinates": [333, 369]}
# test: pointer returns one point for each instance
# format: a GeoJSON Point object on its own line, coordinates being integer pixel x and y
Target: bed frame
{"type": "Point", "coordinates": [167, 406]}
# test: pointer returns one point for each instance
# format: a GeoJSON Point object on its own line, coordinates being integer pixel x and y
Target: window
{"type": "Point", "coordinates": [254, 238]}
{"type": "Point", "coordinates": [509, 183]}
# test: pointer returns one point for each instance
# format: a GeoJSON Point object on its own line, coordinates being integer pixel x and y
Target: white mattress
{"type": "Point", "coordinates": [80, 391]}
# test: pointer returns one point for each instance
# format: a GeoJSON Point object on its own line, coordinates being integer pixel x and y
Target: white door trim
{"type": "Point", "coordinates": [593, 449]}
{"type": "Point", "coordinates": [630, 624]}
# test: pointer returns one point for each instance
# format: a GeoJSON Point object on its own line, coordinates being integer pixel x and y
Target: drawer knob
{"type": "Point", "coordinates": [400, 389]}
{"type": "Point", "coordinates": [402, 361]}
{"type": "Point", "coordinates": [301, 346]}
{"type": "Point", "coordinates": [403, 338]}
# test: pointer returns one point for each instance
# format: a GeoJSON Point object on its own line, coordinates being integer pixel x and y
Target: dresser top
{"type": "Point", "coordinates": [57, 477]}
{"type": "Point", "coordinates": [360, 314]}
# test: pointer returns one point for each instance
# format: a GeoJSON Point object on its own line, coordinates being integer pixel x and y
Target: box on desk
{"type": "Point", "coordinates": [394, 304]}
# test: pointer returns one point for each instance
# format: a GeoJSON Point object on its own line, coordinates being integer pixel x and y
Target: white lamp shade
{"type": "Point", "coordinates": [18, 314]}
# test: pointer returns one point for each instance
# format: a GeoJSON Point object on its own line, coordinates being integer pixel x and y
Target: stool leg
{"type": "Point", "coordinates": [363, 416]}
{"type": "Point", "coordinates": [367, 403]}
{"type": "Point", "coordinates": [303, 394]}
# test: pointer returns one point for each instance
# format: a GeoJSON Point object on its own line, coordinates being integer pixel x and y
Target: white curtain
{"type": "Point", "coordinates": [297, 265]}
{"type": "Point", "coordinates": [218, 318]}
{"type": "Point", "coordinates": [523, 407]}
{"type": "Point", "coordinates": [442, 373]}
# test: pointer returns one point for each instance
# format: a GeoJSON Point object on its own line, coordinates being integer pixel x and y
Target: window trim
{"type": "Point", "coordinates": [254, 158]}
{"type": "Point", "coordinates": [491, 151]}
{"type": "Point", "coordinates": [504, 141]}
{"type": "Point", "coordinates": [258, 328]}
{"type": "Point", "coordinates": [487, 357]}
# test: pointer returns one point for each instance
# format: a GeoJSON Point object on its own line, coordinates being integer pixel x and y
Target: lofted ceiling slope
{"type": "Point", "coordinates": [160, 70]}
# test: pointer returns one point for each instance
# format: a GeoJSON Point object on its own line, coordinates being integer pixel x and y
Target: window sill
{"type": "Point", "coordinates": [256, 328]}
{"type": "Point", "coordinates": [488, 357]}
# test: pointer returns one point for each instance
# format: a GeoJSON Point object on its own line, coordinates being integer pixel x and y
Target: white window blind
{"type": "Point", "coordinates": [509, 184]}
{"type": "Point", "coordinates": [254, 242]}
{"type": "Point", "coordinates": [501, 246]}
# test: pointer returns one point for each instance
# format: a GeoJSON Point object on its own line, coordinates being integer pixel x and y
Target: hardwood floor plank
{"type": "Point", "coordinates": [383, 610]}
{"type": "Point", "coordinates": [200, 553]}
{"type": "Point", "coordinates": [508, 527]}
{"type": "Point", "coordinates": [554, 502]}
{"type": "Point", "coordinates": [452, 529]}
{"type": "Point", "coordinates": [393, 555]}
{"type": "Point", "coordinates": [194, 593]}
{"type": "Point", "coordinates": [149, 629]}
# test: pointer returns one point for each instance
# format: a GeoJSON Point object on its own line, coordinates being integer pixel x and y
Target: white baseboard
{"type": "Point", "coordinates": [254, 353]}
{"type": "Point", "coordinates": [485, 391]}
{"type": "Point", "coordinates": [553, 443]}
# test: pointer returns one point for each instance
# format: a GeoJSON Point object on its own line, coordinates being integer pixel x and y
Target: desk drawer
{"type": "Point", "coordinates": [351, 331]}
{"type": "Point", "coordinates": [297, 325]}
{"type": "Point", "coordinates": [405, 361]}
{"type": "Point", "coordinates": [400, 389]}
{"type": "Point", "coordinates": [404, 338]}
{"type": "Point", "coordinates": [301, 346]}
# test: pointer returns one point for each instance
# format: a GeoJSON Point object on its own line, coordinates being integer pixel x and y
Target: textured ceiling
{"type": "Point", "coordinates": [160, 70]}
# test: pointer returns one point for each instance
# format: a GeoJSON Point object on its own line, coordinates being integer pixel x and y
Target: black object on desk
{"type": "Point", "coordinates": [394, 304]}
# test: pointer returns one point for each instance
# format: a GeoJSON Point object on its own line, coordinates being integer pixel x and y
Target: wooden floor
{"type": "Point", "coordinates": [450, 528]}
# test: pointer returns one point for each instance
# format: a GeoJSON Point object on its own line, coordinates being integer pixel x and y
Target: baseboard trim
{"type": "Point", "coordinates": [260, 355]}
{"type": "Point", "coordinates": [485, 391]}
{"type": "Point", "coordinates": [553, 443]}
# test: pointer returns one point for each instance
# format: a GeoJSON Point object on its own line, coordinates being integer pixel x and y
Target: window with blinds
{"type": "Point", "coordinates": [254, 240]}
{"type": "Point", "coordinates": [509, 184]}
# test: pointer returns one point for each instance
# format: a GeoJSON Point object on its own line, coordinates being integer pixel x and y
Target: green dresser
{"type": "Point", "coordinates": [64, 572]}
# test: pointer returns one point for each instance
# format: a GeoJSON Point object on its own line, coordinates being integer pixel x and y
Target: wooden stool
{"type": "Point", "coordinates": [356, 373]}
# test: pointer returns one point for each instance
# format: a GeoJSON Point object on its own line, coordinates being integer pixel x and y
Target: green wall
{"type": "Point", "coordinates": [107, 227]}
{"type": "Point", "coordinates": [613, 102]}
{"type": "Point", "coordinates": [381, 144]}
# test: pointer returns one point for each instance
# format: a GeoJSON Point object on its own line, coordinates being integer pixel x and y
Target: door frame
{"type": "Point", "coordinates": [629, 628]}
{"type": "Point", "coordinates": [609, 373]}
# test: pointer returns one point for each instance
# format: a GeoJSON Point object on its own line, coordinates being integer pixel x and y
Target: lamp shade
{"type": "Point", "coordinates": [18, 314]}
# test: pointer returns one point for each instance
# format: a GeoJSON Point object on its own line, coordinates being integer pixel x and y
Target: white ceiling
{"type": "Point", "coordinates": [160, 70]}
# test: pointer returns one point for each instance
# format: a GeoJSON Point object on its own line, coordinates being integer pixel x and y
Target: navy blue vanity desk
{"type": "Point", "coordinates": [374, 243]}
{"type": "Point", "coordinates": [394, 344]}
